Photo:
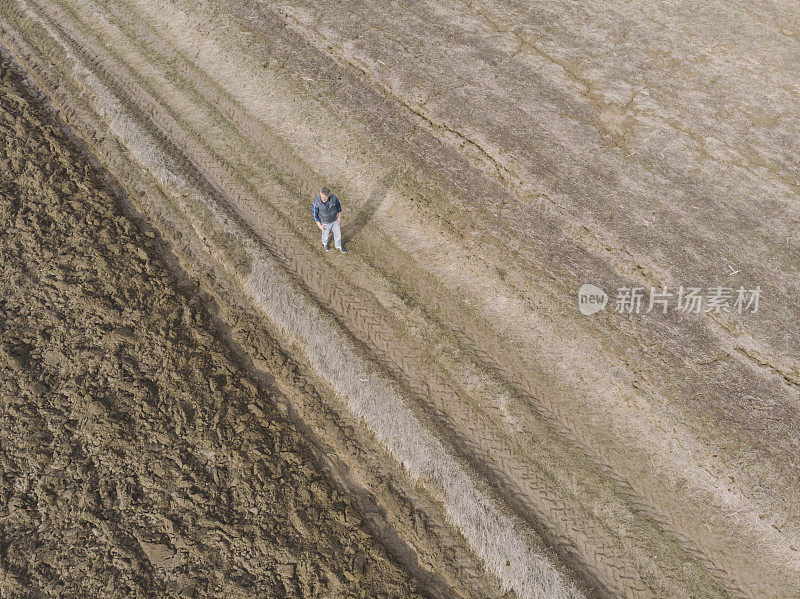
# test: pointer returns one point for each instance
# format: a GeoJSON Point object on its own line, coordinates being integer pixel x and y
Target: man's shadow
{"type": "Point", "coordinates": [352, 227]}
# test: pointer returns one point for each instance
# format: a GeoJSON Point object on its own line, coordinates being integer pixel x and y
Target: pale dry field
{"type": "Point", "coordinates": [491, 159]}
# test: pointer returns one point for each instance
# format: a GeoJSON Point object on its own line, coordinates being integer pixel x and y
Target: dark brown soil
{"type": "Point", "coordinates": [137, 457]}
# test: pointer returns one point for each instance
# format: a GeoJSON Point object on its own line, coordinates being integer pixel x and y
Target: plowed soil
{"type": "Point", "coordinates": [138, 458]}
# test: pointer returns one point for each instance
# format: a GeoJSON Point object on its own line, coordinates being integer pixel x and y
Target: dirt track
{"type": "Point", "coordinates": [491, 159]}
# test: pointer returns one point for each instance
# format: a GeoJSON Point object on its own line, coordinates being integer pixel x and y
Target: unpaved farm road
{"type": "Point", "coordinates": [492, 157]}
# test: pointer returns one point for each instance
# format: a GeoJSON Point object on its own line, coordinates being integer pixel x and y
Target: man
{"type": "Point", "coordinates": [327, 213]}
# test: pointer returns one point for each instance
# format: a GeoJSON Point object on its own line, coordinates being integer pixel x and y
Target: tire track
{"type": "Point", "coordinates": [531, 392]}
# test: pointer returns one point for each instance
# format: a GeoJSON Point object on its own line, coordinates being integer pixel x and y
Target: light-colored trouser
{"type": "Point", "coordinates": [337, 234]}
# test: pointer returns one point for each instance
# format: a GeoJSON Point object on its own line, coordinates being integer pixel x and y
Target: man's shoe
{"type": "Point", "coordinates": [341, 249]}
{"type": "Point", "coordinates": [327, 247]}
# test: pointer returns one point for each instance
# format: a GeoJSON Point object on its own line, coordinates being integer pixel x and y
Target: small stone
{"type": "Point", "coordinates": [156, 552]}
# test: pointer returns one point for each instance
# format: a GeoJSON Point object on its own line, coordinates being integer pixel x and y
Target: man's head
{"type": "Point", "coordinates": [324, 194]}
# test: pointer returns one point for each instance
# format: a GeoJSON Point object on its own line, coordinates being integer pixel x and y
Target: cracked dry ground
{"type": "Point", "coordinates": [136, 458]}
